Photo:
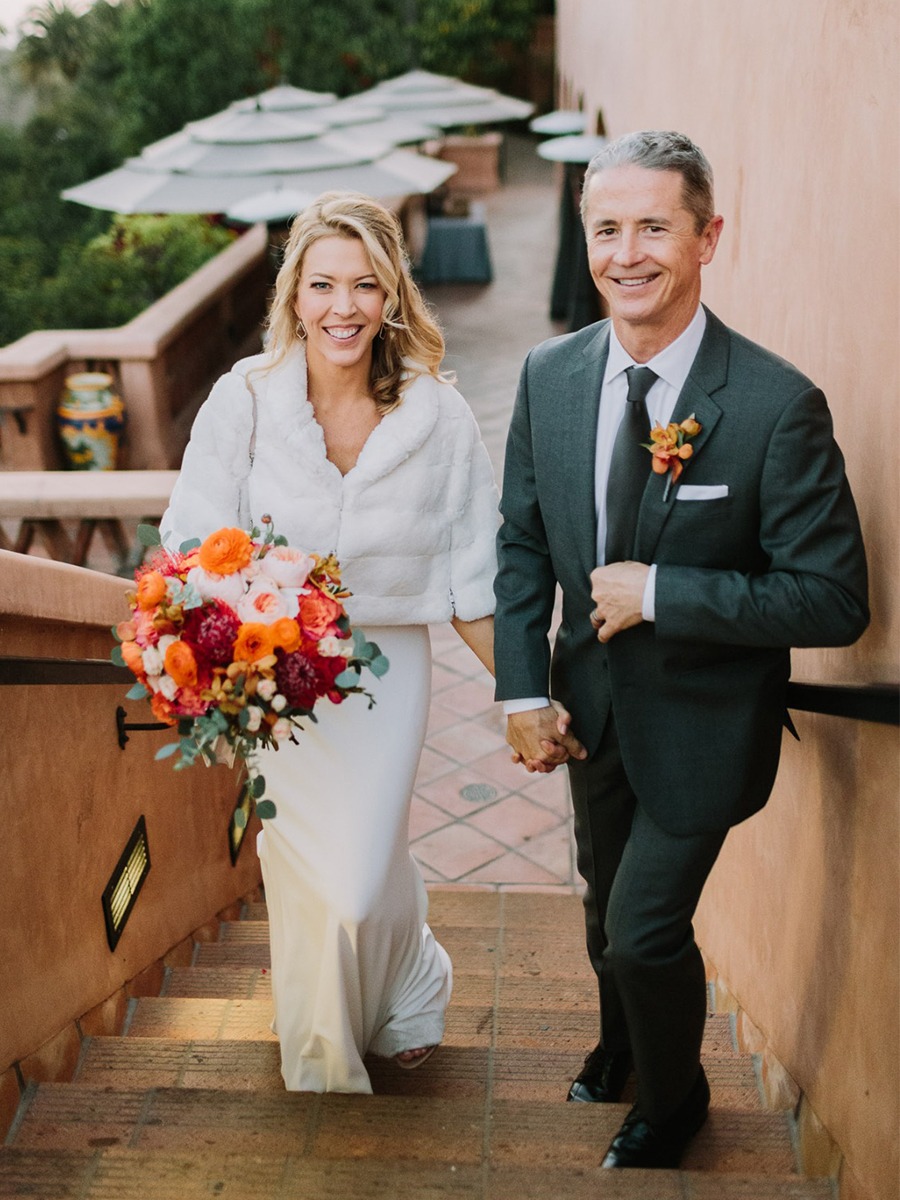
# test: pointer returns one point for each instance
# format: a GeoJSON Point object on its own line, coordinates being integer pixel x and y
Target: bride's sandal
{"type": "Point", "coordinates": [410, 1064]}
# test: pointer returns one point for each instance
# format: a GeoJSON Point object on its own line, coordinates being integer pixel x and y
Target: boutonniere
{"type": "Point", "coordinates": [671, 448]}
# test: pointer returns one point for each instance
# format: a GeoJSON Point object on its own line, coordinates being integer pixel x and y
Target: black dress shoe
{"type": "Point", "coordinates": [640, 1143]}
{"type": "Point", "coordinates": [603, 1077]}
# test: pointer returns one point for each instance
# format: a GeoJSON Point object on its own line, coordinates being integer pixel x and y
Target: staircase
{"type": "Point", "coordinates": [189, 1102]}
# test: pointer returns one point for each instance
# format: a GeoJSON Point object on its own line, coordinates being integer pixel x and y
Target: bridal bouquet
{"type": "Point", "coordinates": [234, 640]}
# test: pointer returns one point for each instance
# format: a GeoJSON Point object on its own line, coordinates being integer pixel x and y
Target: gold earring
{"type": "Point", "coordinates": [300, 330]}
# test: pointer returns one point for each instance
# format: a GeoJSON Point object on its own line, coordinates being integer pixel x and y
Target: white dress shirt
{"type": "Point", "coordinates": [672, 366]}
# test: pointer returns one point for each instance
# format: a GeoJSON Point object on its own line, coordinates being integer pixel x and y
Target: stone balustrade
{"type": "Point", "coordinates": [163, 362]}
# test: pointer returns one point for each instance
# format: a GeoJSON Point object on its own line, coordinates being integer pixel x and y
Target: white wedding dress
{"type": "Point", "coordinates": [355, 968]}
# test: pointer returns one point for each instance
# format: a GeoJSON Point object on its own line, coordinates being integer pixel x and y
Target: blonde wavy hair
{"type": "Point", "coordinates": [410, 343]}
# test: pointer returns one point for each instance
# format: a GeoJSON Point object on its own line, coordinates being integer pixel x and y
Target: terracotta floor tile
{"type": "Point", "coordinates": [456, 850]}
{"type": "Point", "coordinates": [511, 868]}
{"type": "Point", "coordinates": [442, 678]}
{"type": "Point", "coordinates": [466, 742]}
{"type": "Point", "coordinates": [514, 820]}
{"type": "Point", "coordinates": [462, 792]}
{"type": "Point", "coordinates": [432, 765]}
{"type": "Point", "coordinates": [552, 791]}
{"type": "Point", "coordinates": [553, 851]}
{"type": "Point", "coordinates": [439, 718]}
{"type": "Point", "coordinates": [498, 766]}
{"type": "Point", "coordinates": [425, 817]}
{"type": "Point", "coordinates": [470, 698]}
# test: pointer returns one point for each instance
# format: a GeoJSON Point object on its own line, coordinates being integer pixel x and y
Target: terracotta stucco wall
{"type": "Point", "coordinates": [796, 106]}
{"type": "Point", "coordinates": [71, 798]}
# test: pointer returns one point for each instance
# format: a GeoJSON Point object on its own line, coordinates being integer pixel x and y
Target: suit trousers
{"type": "Point", "coordinates": [643, 886]}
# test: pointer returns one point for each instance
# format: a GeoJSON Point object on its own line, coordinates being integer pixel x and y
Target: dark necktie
{"type": "Point", "coordinates": [628, 468]}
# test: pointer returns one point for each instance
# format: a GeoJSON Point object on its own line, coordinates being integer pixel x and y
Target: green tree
{"type": "Point", "coordinates": [182, 60]}
{"type": "Point", "coordinates": [52, 43]}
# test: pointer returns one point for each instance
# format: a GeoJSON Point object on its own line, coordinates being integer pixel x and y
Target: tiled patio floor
{"type": "Point", "coordinates": [476, 817]}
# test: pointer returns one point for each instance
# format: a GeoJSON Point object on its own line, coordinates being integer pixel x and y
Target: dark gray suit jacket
{"type": "Point", "coordinates": [699, 695]}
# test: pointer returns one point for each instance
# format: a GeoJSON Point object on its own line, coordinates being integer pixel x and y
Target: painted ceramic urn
{"type": "Point", "coordinates": [90, 420]}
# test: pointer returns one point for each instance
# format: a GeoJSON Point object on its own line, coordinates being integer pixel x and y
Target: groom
{"type": "Point", "coordinates": [683, 589]}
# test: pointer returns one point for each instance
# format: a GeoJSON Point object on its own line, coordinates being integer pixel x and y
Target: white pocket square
{"type": "Point", "coordinates": [702, 491]}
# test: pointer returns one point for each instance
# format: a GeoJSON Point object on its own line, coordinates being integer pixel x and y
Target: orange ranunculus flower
{"type": "Point", "coordinates": [225, 551]}
{"type": "Point", "coordinates": [181, 664]}
{"type": "Point", "coordinates": [131, 653]}
{"type": "Point", "coordinates": [690, 427]}
{"type": "Point", "coordinates": [285, 634]}
{"type": "Point", "coordinates": [151, 589]}
{"type": "Point", "coordinates": [163, 709]}
{"type": "Point", "coordinates": [318, 614]}
{"type": "Point", "coordinates": [254, 641]}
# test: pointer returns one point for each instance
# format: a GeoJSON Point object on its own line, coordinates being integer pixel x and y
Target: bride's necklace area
{"type": "Point", "coordinates": [346, 425]}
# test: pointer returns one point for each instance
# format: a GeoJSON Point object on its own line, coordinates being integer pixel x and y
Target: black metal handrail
{"type": "Point", "coordinates": [875, 702]}
{"type": "Point", "coordinates": [61, 671]}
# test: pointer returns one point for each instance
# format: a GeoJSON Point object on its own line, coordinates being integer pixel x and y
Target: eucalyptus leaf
{"type": "Point", "coordinates": [137, 691]}
{"type": "Point", "coordinates": [189, 545]}
{"type": "Point", "coordinates": [280, 540]}
{"type": "Point", "coordinates": [116, 656]}
{"type": "Point", "coordinates": [240, 818]}
{"type": "Point", "coordinates": [148, 535]}
{"type": "Point", "coordinates": [167, 751]}
{"type": "Point", "coordinates": [347, 679]}
{"type": "Point", "coordinates": [265, 810]}
{"type": "Point", "coordinates": [257, 787]}
{"type": "Point", "coordinates": [379, 666]}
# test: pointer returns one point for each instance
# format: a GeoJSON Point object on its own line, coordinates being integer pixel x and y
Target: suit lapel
{"type": "Point", "coordinates": [707, 375]}
{"type": "Point", "coordinates": [580, 444]}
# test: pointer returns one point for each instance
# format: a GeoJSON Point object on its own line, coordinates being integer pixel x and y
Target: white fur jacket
{"type": "Point", "coordinates": [413, 523]}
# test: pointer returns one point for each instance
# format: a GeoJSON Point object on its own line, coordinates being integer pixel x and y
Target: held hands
{"type": "Point", "coordinates": [540, 738]}
{"type": "Point", "coordinates": [618, 594]}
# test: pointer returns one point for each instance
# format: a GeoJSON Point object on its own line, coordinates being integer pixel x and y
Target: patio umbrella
{"type": "Point", "coordinates": [560, 121]}
{"type": "Point", "coordinates": [578, 148]}
{"type": "Point", "coordinates": [281, 140]}
{"type": "Point", "coordinates": [131, 189]}
{"type": "Point", "coordinates": [445, 101]}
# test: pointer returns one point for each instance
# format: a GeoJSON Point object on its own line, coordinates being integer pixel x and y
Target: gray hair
{"type": "Point", "coordinates": [661, 150]}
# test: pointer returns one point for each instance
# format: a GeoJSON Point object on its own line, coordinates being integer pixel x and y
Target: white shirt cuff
{"type": "Point", "coordinates": [648, 602]}
{"type": "Point", "coordinates": [524, 705]}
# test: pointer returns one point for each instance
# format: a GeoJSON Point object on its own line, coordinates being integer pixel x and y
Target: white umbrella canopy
{"type": "Point", "coordinates": [559, 122]}
{"type": "Point", "coordinates": [283, 139]}
{"type": "Point", "coordinates": [130, 190]}
{"type": "Point", "coordinates": [445, 101]}
{"type": "Point", "coordinates": [578, 148]}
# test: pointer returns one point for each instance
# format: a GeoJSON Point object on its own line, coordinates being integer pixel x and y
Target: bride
{"type": "Point", "coordinates": [347, 434]}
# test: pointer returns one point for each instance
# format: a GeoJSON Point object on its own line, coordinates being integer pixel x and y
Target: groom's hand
{"type": "Point", "coordinates": [540, 738]}
{"type": "Point", "coordinates": [618, 594]}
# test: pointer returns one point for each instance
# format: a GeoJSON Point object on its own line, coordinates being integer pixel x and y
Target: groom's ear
{"type": "Point", "coordinates": [710, 239]}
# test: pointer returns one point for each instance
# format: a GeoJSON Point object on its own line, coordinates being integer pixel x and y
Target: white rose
{"type": "Point", "coordinates": [254, 718]}
{"type": "Point", "coordinates": [287, 566]}
{"type": "Point", "coordinates": [152, 660]}
{"type": "Point", "coordinates": [331, 647]}
{"type": "Point", "coordinates": [168, 687]}
{"type": "Point", "coordinates": [229, 588]}
{"type": "Point", "coordinates": [281, 729]}
{"type": "Point", "coordinates": [266, 689]}
{"type": "Point", "coordinates": [167, 640]}
{"type": "Point", "coordinates": [265, 603]}
{"type": "Point", "coordinates": [279, 703]}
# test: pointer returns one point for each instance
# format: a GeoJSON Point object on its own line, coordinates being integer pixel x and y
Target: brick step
{"type": "Point", "coordinates": [456, 1070]}
{"type": "Point", "coordinates": [477, 949]}
{"type": "Point", "coordinates": [122, 1174]}
{"type": "Point", "coordinates": [209, 1018]}
{"type": "Point", "coordinates": [433, 1130]}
